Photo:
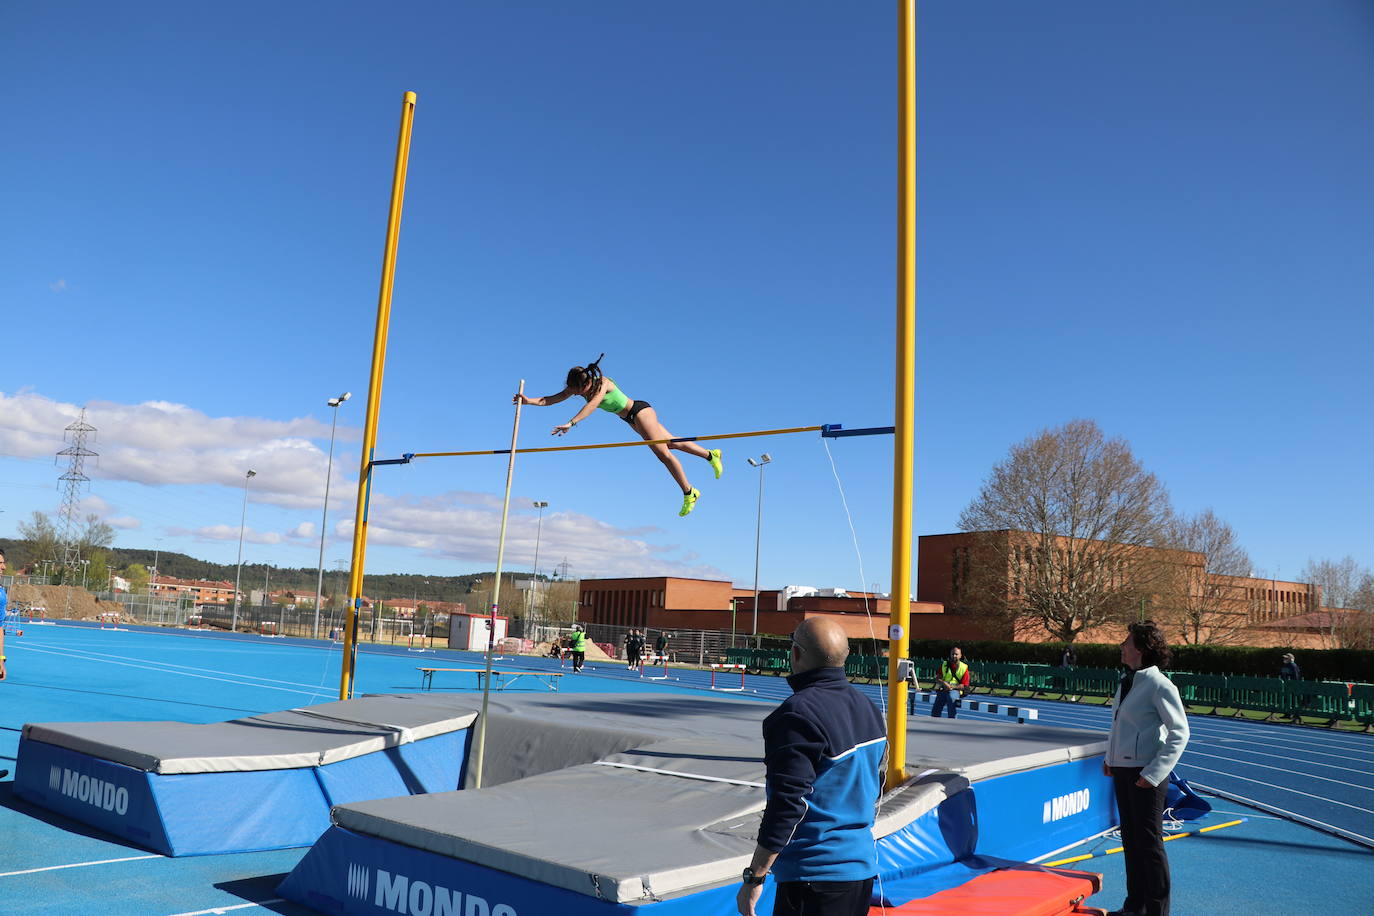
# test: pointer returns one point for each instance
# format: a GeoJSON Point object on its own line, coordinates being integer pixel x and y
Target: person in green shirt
{"type": "Point", "coordinates": [600, 391]}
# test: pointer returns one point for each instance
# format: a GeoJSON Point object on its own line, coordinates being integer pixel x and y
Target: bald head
{"type": "Point", "coordinates": [821, 643]}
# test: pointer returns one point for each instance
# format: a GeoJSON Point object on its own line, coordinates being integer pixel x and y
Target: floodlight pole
{"type": "Point", "coordinates": [324, 516]}
{"type": "Point", "coordinates": [243, 517]}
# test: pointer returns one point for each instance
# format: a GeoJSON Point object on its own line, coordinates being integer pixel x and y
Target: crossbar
{"type": "Point", "coordinates": [828, 430]}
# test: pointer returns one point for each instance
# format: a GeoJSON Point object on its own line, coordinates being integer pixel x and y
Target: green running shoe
{"type": "Point", "coordinates": [715, 463]}
{"type": "Point", "coordinates": [689, 502]}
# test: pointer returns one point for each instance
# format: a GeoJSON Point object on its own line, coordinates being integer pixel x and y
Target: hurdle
{"type": "Point", "coordinates": [111, 618]}
{"type": "Point", "coordinates": [739, 669]}
{"type": "Point", "coordinates": [423, 640]}
{"type": "Point", "coordinates": [1020, 713]}
{"type": "Point", "coordinates": [654, 659]}
{"type": "Point", "coordinates": [268, 629]}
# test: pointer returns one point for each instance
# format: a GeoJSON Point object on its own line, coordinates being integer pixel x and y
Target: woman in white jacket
{"type": "Point", "coordinates": [1149, 733]}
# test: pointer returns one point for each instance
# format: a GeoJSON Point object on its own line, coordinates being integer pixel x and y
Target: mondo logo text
{"type": "Point", "coordinates": [1065, 805]}
{"type": "Point", "coordinates": [95, 792]}
{"type": "Point", "coordinates": [401, 894]}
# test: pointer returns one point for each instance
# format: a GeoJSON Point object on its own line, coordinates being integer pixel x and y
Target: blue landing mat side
{"type": "Point", "coordinates": [349, 874]}
{"type": "Point", "coordinates": [110, 796]}
{"type": "Point", "coordinates": [418, 768]}
{"type": "Point", "coordinates": [189, 814]}
{"type": "Point", "coordinates": [1027, 815]}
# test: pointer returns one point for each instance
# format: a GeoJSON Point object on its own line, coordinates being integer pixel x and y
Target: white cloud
{"type": "Point", "coordinates": [159, 443]}
{"type": "Point", "coordinates": [449, 526]}
{"type": "Point", "coordinates": [227, 533]}
{"type": "Point", "coordinates": [124, 522]}
{"type": "Point", "coordinates": [93, 505]}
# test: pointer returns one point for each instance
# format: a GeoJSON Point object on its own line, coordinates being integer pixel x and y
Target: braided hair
{"type": "Point", "coordinates": [579, 377]}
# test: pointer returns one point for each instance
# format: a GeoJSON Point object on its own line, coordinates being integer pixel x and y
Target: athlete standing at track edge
{"type": "Point", "coordinates": [588, 382]}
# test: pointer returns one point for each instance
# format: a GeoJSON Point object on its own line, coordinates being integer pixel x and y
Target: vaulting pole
{"type": "Point", "coordinates": [374, 396]}
{"type": "Point", "coordinates": [904, 440]}
{"type": "Point", "coordinates": [496, 597]}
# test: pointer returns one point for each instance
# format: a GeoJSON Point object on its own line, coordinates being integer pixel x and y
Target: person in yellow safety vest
{"type": "Point", "coordinates": [951, 684]}
{"type": "Point", "coordinates": [579, 648]}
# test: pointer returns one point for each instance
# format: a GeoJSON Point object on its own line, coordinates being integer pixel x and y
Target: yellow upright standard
{"type": "Point", "coordinates": [904, 440]}
{"type": "Point", "coordinates": [374, 394]}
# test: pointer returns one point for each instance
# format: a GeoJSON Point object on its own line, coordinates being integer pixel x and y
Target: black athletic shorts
{"type": "Point", "coordinates": [635, 408]}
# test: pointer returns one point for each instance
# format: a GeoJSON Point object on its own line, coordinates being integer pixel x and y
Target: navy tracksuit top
{"type": "Point", "coordinates": [823, 748]}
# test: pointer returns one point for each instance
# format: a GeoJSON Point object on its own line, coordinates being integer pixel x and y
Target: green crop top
{"type": "Point", "coordinates": [615, 400]}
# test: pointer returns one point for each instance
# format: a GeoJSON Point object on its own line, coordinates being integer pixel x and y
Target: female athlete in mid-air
{"type": "Point", "coordinates": [602, 392]}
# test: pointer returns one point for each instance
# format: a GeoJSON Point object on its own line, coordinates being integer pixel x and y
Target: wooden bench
{"type": "Point", "coordinates": [500, 680]}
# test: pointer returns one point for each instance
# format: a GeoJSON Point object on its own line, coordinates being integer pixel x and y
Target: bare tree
{"type": "Point", "coordinates": [1348, 586]}
{"type": "Point", "coordinates": [42, 536]}
{"type": "Point", "coordinates": [1213, 608]}
{"type": "Point", "coordinates": [95, 535]}
{"type": "Point", "coordinates": [1068, 518]}
{"type": "Point", "coordinates": [1339, 579]}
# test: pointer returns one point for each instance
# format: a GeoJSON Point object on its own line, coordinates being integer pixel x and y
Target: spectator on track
{"type": "Point", "coordinates": [951, 684]}
{"type": "Point", "coordinates": [1070, 657]}
{"type": "Point", "coordinates": [578, 642]}
{"type": "Point", "coordinates": [661, 646]}
{"type": "Point", "coordinates": [1149, 733]}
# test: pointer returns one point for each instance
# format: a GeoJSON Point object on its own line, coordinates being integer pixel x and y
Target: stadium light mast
{"type": "Point", "coordinates": [243, 517]}
{"type": "Point", "coordinates": [324, 516]}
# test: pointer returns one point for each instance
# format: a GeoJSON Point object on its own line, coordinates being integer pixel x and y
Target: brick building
{"type": "Point", "coordinates": [986, 569]}
{"type": "Point", "coordinates": [200, 591]}
{"type": "Point", "coordinates": [670, 603]}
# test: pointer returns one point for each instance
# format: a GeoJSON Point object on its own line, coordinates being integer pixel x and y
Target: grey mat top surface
{"type": "Point", "coordinates": [693, 784]}
{"type": "Point", "coordinates": [304, 737]}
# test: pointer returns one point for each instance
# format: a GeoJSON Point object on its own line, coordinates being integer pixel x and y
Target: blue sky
{"type": "Point", "coordinates": [1155, 216]}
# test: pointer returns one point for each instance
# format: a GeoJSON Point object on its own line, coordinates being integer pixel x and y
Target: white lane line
{"type": "Point", "coordinates": [30, 871]}
{"type": "Point", "coordinates": [1260, 782]}
{"type": "Point", "coordinates": [1265, 766]}
{"type": "Point", "coordinates": [92, 655]}
{"type": "Point", "coordinates": [309, 693]}
{"type": "Point", "coordinates": [1274, 753]}
{"type": "Point", "coordinates": [226, 909]}
{"type": "Point", "coordinates": [1276, 736]}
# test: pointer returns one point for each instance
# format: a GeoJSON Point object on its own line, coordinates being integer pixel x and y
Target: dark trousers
{"type": "Point", "coordinates": [1142, 841]}
{"type": "Point", "coordinates": [944, 699]}
{"type": "Point", "coordinates": [578, 659]}
{"type": "Point", "coordinates": [823, 898]}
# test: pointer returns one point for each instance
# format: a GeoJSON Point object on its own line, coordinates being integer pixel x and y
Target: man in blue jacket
{"type": "Point", "coordinates": [823, 751]}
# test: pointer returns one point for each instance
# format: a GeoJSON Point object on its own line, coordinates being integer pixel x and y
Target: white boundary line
{"type": "Point", "coordinates": [1289, 815]}
{"type": "Point", "coordinates": [170, 667]}
{"type": "Point", "coordinates": [224, 680]}
{"type": "Point", "coordinates": [1260, 782]}
{"type": "Point", "coordinates": [30, 871]}
{"type": "Point", "coordinates": [236, 906]}
{"type": "Point", "coordinates": [1265, 766]}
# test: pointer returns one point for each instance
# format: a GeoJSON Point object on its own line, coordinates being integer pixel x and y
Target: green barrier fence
{"type": "Point", "coordinates": [1362, 695]}
{"type": "Point", "coordinates": [1251, 693]}
{"type": "Point", "coordinates": [1200, 689]}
